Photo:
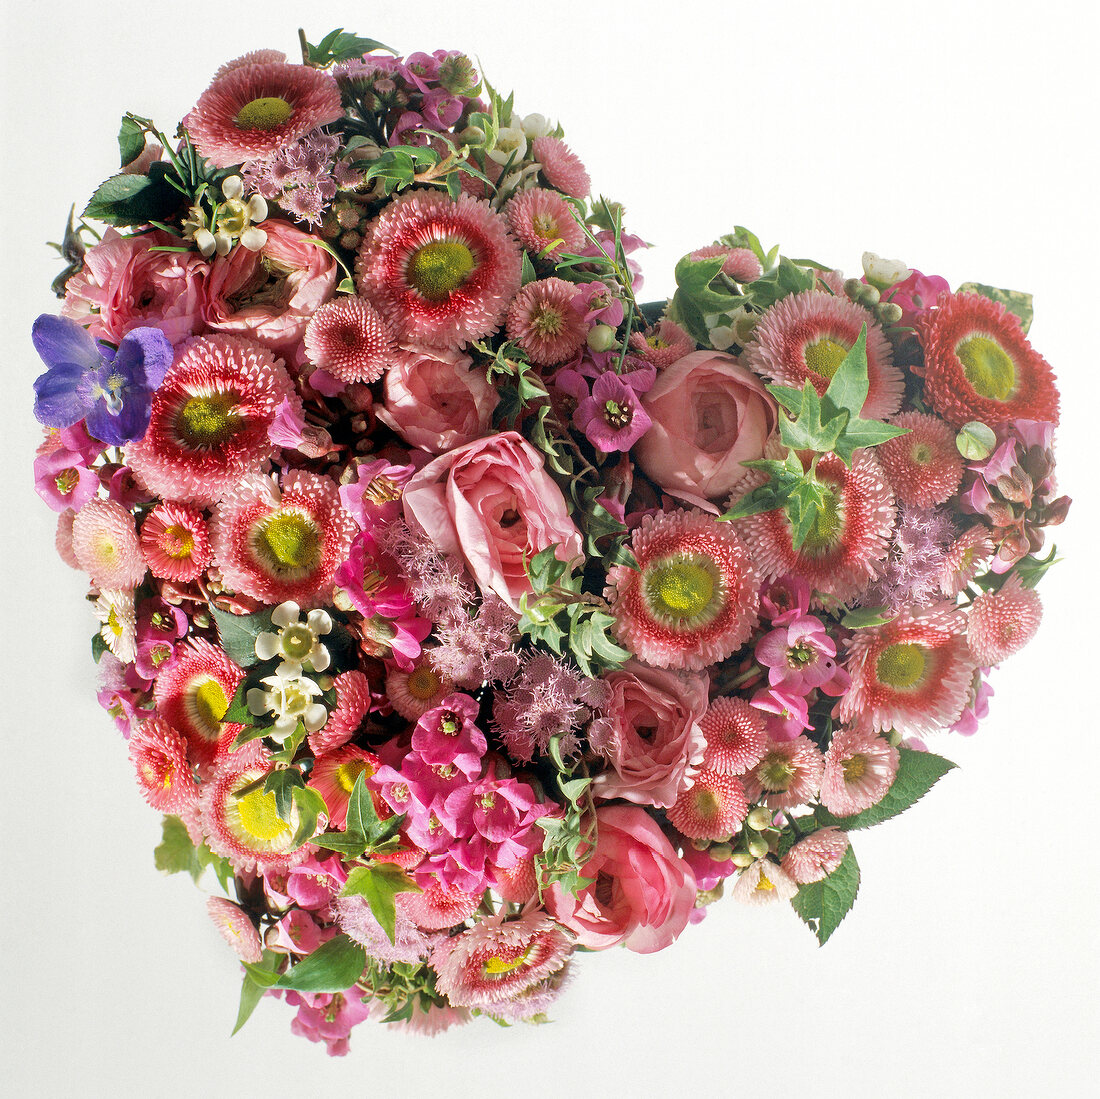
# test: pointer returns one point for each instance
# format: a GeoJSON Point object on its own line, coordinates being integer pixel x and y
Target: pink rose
{"type": "Point", "coordinates": [132, 287]}
{"type": "Point", "coordinates": [433, 399]}
{"type": "Point", "coordinates": [492, 503]}
{"type": "Point", "coordinates": [271, 294]}
{"type": "Point", "coordinates": [651, 734]}
{"type": "Point", "coordinates": [642, 893]}
{"type": "Point", "coordinates": [709, 415]}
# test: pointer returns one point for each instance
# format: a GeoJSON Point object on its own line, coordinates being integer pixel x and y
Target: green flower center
{"type": "Point", "coordinates": [208, 705]}
{"type": "Point", "coordinates": [706, 804]}
{"type": "Point", "coordinates": [66, 481]}
{"type": "Point", "coordinates": [824, 356]}
{"type": "Point", "coordinates": [268, 112]}
{"type": "Point", "coordinates": [828, 525]}
{"type": "Point", "coordinates": [289, 540]}
{"type": "Point", "coordinates": [987, 367]}
{"type": "Point", "coordinates": [681, 591]}
{"type": "Point", "coordinates": [437, 270]}
{"type": "Point", "coordinates": [854, 768]}
{"type": "Point", "coordinates": [547, 321]}
{"type": "Point", "coordinates": [775, 772]}
{"type": "Point", "coordinates": [423, 684]}
{"type": "Point", "coordinates": [921, 454]}
{"type": "Point", "coordinates": [297, 642]}
{"type": "Point", "coordinates": [259, 817]}
{"type": "Point", "coordinates": [208, 421]}
{"type": "Point", "coordinates": [901, 665]}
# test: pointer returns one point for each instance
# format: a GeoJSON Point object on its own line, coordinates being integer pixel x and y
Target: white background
{"type": "Point", "coordinates": [959, 137]}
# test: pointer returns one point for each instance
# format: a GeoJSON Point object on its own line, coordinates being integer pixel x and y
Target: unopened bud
{"type": "Point", "coordinates": [700, 845]}
{"type": "Point", "coordinates": [740, 858]}
{"type": "Point", "coordinates": [758, 847]}
{"type": "Point", "coordinates": [889, 312]}
{"type": "Point", "coordinates": [602, 337]}
{"type": "Point", "coordinates": [472, 135]}
{"type": "Point", "coordinates": [853, 288]}
{"type": "Point", "coordinates": [868, 296]}
{"type": "Point", "coordinates": [760, 818]}
{"type": "Point", "coordinates": [893, 738]}
{"type": "Point", "coordinates": [720, 852]}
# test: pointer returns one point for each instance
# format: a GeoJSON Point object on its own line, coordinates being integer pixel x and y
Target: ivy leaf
{"type": "Point", "coordinates": [131, 141]}
{"type": "Point", "coordinates": [823, 904]}
{"type": "Point", "coordinates": [917, 773]}
{"type": "Point", "coordinates": [340, 45]}
{"type": "Point", "coordinates": [333, 967]}
{"type": "Point", "coordinates": [1015, 301]}
{"type": "Point", "coordinates": [282, 783]}
{"type": "Point", "coordinates": [363, 821]}
{"type": "Point", "coordinates": [311, 804]}
{"type": "Point", "coordinates": [176, 854]}
{"type": "Point", "coordinates": [849, 385]}
{"type": "Point", "coordinates": [380, 884]}
{"type": "Point", "coordinates": [238, 632]}
{"type": "Point", "coordinates": [864, 433]}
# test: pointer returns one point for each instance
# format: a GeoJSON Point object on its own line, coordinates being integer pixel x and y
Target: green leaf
{"type": "Point", "coordinates": [175, 853]}
{"type": "Point", "coordinates": [131, 141]}
{"type": "Point", "coordinates": [917, 773]}
{"type": "Point", "coordinates": [282, 783]}
{"type": "Point", "coordinates": [363, 821]}
{"type": "Point", "coordinates": [290, 746]}
{"type": "Point", "coordinates": [134, 199]}
{"type": "Point", "coordinates": [1015, 301]}
{"type": "Point", "coordinates": [311, 804]}
{"type": "Point", "coordinates": [862, 617]}
{"type": "Point", "coordinates": [339, 45]}
{"type": "Point", "coordinates": [864, 433]}
{"type": "Point", "coordinates": [380, 884]}
{"type": "Point", "coordinates": [1032, 569]}
{"type": "Point", "coordinates": [528, 271]}
{"type": "Point", "coordinates": [849, 385]}
{"type": "Point", "coordinates": [333, 967]}
{"type": "Point", "coordinates": [823, 904]}
{"type": "Point", "coordinates": [808, 431]}
{"type": "Point", "coordinates": [238, 632]}
{"type": "Point", "coordinates": [251, 995]}
{"type": "Point", "coordinates": [351, 846]}
{"type": "Point", "coordinates": [99, 647]}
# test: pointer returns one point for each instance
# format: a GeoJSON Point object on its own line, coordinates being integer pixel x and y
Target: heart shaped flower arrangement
{"type": "Point", "coordinates": [460, 611]}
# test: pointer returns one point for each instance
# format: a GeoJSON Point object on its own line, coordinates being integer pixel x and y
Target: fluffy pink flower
{"type": "Point", "coordinates": [439, 907]}
{"type": "Point", "coordinates": [740, 264]}
{"type": "Point", "coordinates": [235, 926]}
{"type": "Point", "coordinates": [436, 399]}
{"type": "Point", "coordinates": [859, 769]}
{"type": "Point", "coordinates": [924, 467]}
{"type": "Point", "coordinates": [651, 736]}
{"type": "Point", "coordinates": [735, 736]}
{"type": "Point", "coordinates": [816, 856]}
{"type": "Point", "coordinates": [965, 558]}
{"type": "Point", "coordinates": [159, 756]}
{"type": "Point", "coordinates": [561, 166]}
{"type": "Point", "coordinates": [409, 944]}
{"type": "Point", "coordinates": [253, 109]}
{"type": "Point", "coordinates": [642, 892]}
{"type": "Point", "coordinates": [106, 545]}
{"type": "Point", "coordinates": [662, 344]}
{"type": "Point", "coordinates": [493, 504]}
{"type": "Point", "coordinates": [353, 702]}
{"type": "Point", "coordinates": [540, 219]}
{"type": "Point", "coordinates": [1002, 622]}
{"type": "Point", "coordinates": [175, 543]}
{"type": "Point", "coordinates": [712, 809]}
{"type": "Point", "coordinates": [543, 320]}
{"type": "Point", "coordinates": [789, 774]}
{"type": "Point", "coordinates": [348, 339]}
{"type": "Point", "coordinates": [441, 271]}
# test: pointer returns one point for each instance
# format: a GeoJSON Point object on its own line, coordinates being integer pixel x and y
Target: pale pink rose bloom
{"type": "Point", "coordinates": [642, 892]}
{"type": "Point", "coordinates": [709, 414]}
{"type": "Point", "coordinates": [271, 294]}
{"type": "Point", "coordinates": [132, 287]}
{"type": "Point", "coordinates": [653, 740]}
{"type": "Point", "coordinates": [491, 503]}
{"type": "Point", "coordinates": [435, 401]}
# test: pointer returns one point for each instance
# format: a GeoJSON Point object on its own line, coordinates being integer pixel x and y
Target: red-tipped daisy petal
{"type": "Point", "coordinates": [543, 320]}
{"type": "Point", "coordinates": [175, 543]}
{"type": "Point", "coordinates": [412, 694]}
{"type": "Point", "coordinates": [692, 601]}
{"type": "Point", "coordinates": [518, 884]}
{"type": "Point", "coordinates": [348, 339]}
{"type": "Point", "coordinates": [712, 809]}
{"type": "Point", "coordinates": [965, 558]}
{"type": "Point", "coordinates": [815, 857]}
{"type": "Point", "coordinates": [159, 756]}
{"type": "Point", "coordinates": [210, 419]}
{"type": "Point", "coordinates": [859, 768]}
{"type": "Point", "coordinates": [334, 775]}
{"type": "Point", "coordinates": [924, 467]}
{"type": "Point", "coordinates": [538, 218]}
{"type": "Point", "coordinates": [106, 545]}
{"type": "Point", "coordinates": [1002, 622]}
{"type": "Point", "coordinates": [440, 271]}
{"type": "Point", "coordinates": [807, 335]}
{"type": "Point", "coordinates": [788, 774]}
{"type": "Point", "coordinates": [736, 736]}
{"type": "Point", "coordinates": [561, 166]}
{"type": "Point", "coordinates": [439, 907]}
{"type": "Point", "coordinates": [353, 703]}
{"type": "Point", "coordinates": [236, 928]}
{"type": "Point", "coordinates": [912, 674]}
{"type": "Point", "coordinates": [978, 364]}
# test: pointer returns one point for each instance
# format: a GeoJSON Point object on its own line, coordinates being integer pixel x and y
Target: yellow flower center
{"type": "Point", "coordinates": [347, 773]}
{"type": "Point", "coordinates": [680, 589]}
{"type": "Point", "coordinates": [178, 542]}
{"type": "Point", "coordinates": [987, 367]}
{"type": "Point", "coordinates": [259, 818]}
{"type": "Point", "coordinates": [901, 665]}
{"type": "Point", "coordinates": [854, 768]}
{"type": "Point", "coordinates": [775, 772]}
{"type": "Point", "coordinates": [209, 420]}
{"type": "Point", "coordinates": [423, 684]}
{"type": "Point", "coordinates": [438, 269]}
{"type": "Point", "coordinates": [920, 454]}
{"type": "Point", "coordinates": [764, 885]}
{"type": "Point", "coordinates": [290, 540]}
{"type": "Point", "coordinates": [207, 705]}
{"type": "Point", "coordinates": [496, 967]}
{"type": "Point", "coordinates": [824, 356]}
{"type": "Point", "coordinates": [268, 112]}
{"type": "Point", "coordinates": [548, 321]}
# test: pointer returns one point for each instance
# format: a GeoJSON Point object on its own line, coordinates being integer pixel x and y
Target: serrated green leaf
{"type": "Point", "coordinates": [333, 967]}
{"type": "Point", "coordinates": [1015, 301]}
{"type": "Point", "coordinates": [350, 846]}
{"type": "Point", "coordinates": [808, 431]}
{"type": "Point", "coordinates": [131, 141]}
{"type": "Point", "coordinates": [134, 199]}
{"type": "Point", "coordinates": [823, 904]}
{"type": "Point", "coordinates": [380, 884]}
{"type": "Point", "coordinates": [238, 632]}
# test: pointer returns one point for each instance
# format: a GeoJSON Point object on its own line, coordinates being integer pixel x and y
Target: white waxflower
{"type": "Point", "coordinates": [884, 273]}
{"type": "Point", "coordinates": [291, 698]}
{"type": "Point", "coordinates": [510, 142]}
{"type": "Point", "coordinates": [297, 642]}
{"type": "Point", "coordinates": [536, 125]}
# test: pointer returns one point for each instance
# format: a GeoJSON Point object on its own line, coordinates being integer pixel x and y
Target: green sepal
{"type": "Point", "coordinates": [379, 884]}
{"type": "Point", "coordinates": [823, 904]}
{"type": "Point", "coordinates": [333, 967]}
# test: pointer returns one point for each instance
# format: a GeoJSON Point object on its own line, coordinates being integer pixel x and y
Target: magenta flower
{"type": "Point", "coordinates": [447, 735]}
{"type": "Point", "coordinates": [786, 712]}
{"type": "Point", "coordinates": [799, 656]}
{"type": "Point", "coordinates": [63, 480]}
{"type": "Point", "coordinates": [612, 418]}
{"type": "Point", "coordinates": [785, 599]}
{"type": "Point", "coordinates": [916, 294]}
{"type": "Point", "coordinates": [599, 306]}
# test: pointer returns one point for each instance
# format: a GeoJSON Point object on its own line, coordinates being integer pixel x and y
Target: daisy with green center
{"type": "Point", "coordinates": [297, 642]}
{"type": "Point", "coordinates": [788, 774]}
{"type": "Point", "coordinates": [692, 601]}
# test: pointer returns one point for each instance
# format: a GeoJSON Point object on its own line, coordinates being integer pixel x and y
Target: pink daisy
{"type": "Point", "coordinates": [210, 419]}
{"type": "Point", "coordinates": [439, 907]}
{"type": "Point", "coordinates": [63, 539]}
{"type": "Point", "coordinates": [859, 768]}
{"type": "Point", "coordinates": [966, 557]}
{"type": "Point", "coordinates": [253, 57]}
{"type": "Point", "coordinates": [561, 166]}
{"type": "Point", "coordinates": [353, 702]}
{"type": "Point", "coordinates": [741, 264]}
{"type": "Point", "coordinates": [334, 775]}
{"type": "Point", "coordinates": [440, 271]}
{"type": "Point", "coordinates": [712, 809]}
{"type": "Point", "coordinates": [115, 611]}
{"type": "Point", "coordinates": [815, 857]}
{"type": "Point", "coordinates": [924, 467]}
{"type": "Point", "coordinates": [193, 694]}
{"type": "Point", "coordinates": [106, 545]}
{"type": "Point", "coordinates": [543, 320]}
{"type": "Point", "coordinates": [159, 756]}
{"type": "Point", "coordinates": [237, 928]}
{"type": "Point", "coordinates": [277, 545]}
{"type": "Point", "coordinates": [253, 110]}
{"type": "Point", "coordinates": [662, 344]}
{"type": "Point", "coordinates": [540, 218]}
{"type": "Point", "coordinates": [413, 693]}
{"type": "Point", "coordinates": [807, 335]}
{"type": "Point", "coordinates": [349, 340]}
{"type": "Point", "coordinates": [175, 542]}
{"type": "Point", "coordinates": [517, 884]}
{"type": "Point", "coordinates": [692, 601]}
{"type": "Point", "coordinates": [912, 674]}
{"type": "Point", "coordinates": [788, 774]}
{"type": "Point", "coordinates": [764, 882]}
{"type": "Point", "coordinates": [736, 736]}
{"type": "Point", "coordinates": [1002, 622]}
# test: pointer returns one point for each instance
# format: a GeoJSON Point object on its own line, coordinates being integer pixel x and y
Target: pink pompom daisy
{"type": "Point", "coordinates": [440, 271]}
{"type": "Point", "coordinates": [540, 219]}
{"type": "Point", "coordinates": [859, 768]}
{"type": "Point", "coordinates": [348, 339]}
{"type": "Point", "coordinates": [739, 264]}
{"type": "Point", "coordinates": [561, 166]}
{"type": "Point", "coordinates": [736, 736]}
{"type": "Point", "coordinates": [806, 336]}
{"type": "Point", "coordinates": [439, 907]}
{"type": "Point", "coordinates": [924, 467]}
{"type": "Point", "coordinates": [913, 674]}
{"type": "Point", "coordinates": [692, 601]}
{"type": "Point", "coordinates": [843, 552]}
{"type": "Point", "coordinates": [815, 857]}
{"type": "Point", "coordinates": [413, 693]}
{"type": "Point", "coordinates": [543, 320]}
{"type": "Point", "coordinates": [517, 884]}
{"type": "Point", "coordinates": [63, 539]}
{"type": "Point", "coordinates": [1002, 622]}
{"type": "Point", "coordinates": [965, 558]}
{"type": "Point", "coordinates": [282, 545]}
{"type": "Point", "coordinates": [193, 694]}
{"type": "Point", "coordinates": [662, 344]}
{"type": "Point", "coordinates": [788, 774]}
{"type": "Point", "coordinates": [159, 756]}
{"type": "Point", "coordinates": [353, 703]}
{"type": "Point", "coordinates": [105, 543]}
{"type": "Point", "coordinates": [334, 775]}
{"type": "Point", "coordinates": [210, 419]}
{"type": "Point", "coordinates": [255, 108]}
{"type": "Point", "coordinates": [764, 882]}
{"type": "Point", "coordinates": [235, 926]}
{"type": "Point", "coordinates": [175, 543]}
{"type": "Point", "coordinates": [712, 809]}
{"type": "Point", "coordinates": [253, 57]}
